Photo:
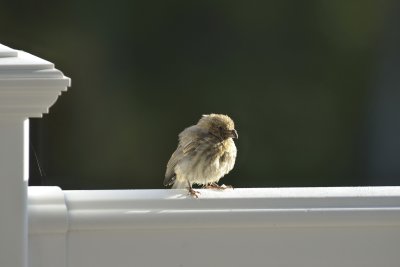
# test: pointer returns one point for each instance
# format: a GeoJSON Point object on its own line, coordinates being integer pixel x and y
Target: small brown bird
{"type": "Point", "coordinates": [205, 153]}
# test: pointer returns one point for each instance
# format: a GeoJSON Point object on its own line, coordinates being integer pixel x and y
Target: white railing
{"type": "Point", "coordinates": [241, 227]}
{"type": "Point", "coordinates": [352, 226]}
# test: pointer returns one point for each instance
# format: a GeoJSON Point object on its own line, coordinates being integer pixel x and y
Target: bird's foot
{"type": "Point", "coordinates": [193, 193]}
{"type": "Point", "coordinates": [215, 186]}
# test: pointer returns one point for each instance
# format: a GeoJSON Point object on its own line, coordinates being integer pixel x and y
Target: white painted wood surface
{"type": "Point", "coordinates": [357, 226]}
{"type": "Point", "coordinates": [28, 87]}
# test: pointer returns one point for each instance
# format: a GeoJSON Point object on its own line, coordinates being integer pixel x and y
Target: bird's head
{"type": "Point", "coordinates": [221, 126]}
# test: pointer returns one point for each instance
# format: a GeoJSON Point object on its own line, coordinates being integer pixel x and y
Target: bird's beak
{"type": "Point", "coordinates": [234, 134]}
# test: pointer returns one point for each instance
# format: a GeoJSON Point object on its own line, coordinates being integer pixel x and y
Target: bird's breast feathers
{"type": "Point", "coordinates": [208, 162]}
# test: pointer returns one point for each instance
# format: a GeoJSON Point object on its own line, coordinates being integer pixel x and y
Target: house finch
{"type": "Point", "coordinates": [205, 153]}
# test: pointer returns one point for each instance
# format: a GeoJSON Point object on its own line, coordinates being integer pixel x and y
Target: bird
{"type": "Point", "coordinates": [205, 153]}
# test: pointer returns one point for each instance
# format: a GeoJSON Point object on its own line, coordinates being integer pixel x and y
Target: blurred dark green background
{"type": "Point", "coordinates": [312, 86]}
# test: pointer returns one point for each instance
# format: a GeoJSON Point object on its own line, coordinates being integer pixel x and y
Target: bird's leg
{"type": "Point", "coordinates": [217, 187]}
{"type": "Point", "coordinates": [192, 192]}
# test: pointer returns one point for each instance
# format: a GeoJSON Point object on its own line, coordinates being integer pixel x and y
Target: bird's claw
{"type": "Point", "coordinates": [215, 186]}
{"type": "Point", "coordinates": [193, 193]}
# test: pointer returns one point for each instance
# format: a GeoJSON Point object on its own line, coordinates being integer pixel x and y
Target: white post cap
{"type": "Point", "coordinates": [28, 85]}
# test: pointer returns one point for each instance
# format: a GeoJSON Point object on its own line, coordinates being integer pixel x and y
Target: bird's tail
{"type": "Point", "coordinates": [180, 184]}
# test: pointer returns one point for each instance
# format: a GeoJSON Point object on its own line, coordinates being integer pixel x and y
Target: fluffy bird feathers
{"type": "Point", "coordinates": [205, 153]}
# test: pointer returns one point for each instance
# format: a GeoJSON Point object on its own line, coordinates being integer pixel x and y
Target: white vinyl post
{"type": "Point", "coordinates": [28, 87]}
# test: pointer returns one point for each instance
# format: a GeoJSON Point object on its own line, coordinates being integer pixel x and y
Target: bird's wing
{"type": "Point", "coordinates": [170, 172]}
{"type": "Point", "coordinates": [178, 155]}
{"type": "Point", "coordinates": [188, 142]}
